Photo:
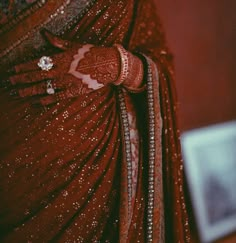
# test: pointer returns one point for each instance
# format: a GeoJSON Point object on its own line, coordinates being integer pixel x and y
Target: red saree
{"type": "Point", "coordinates": [66, 171]}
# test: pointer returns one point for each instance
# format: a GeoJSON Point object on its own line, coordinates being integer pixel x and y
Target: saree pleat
{"type": "Point", "coordinates": [65, 169]}
{"type": "Point", "coordinates": [87, 166]}
{"type": "Point", "coordinates": [148, 38]}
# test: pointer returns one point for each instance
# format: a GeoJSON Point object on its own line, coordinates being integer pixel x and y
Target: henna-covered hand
{"type": "Point", "coordinates": [77, 70]}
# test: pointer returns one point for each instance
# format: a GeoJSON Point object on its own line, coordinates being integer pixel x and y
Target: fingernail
{"type": "Point", "coordinates": [5, 83]}
{"type": "Point", "coordinates": [13, 92]}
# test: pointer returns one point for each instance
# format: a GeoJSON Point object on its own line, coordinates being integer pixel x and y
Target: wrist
{"type": "Point", "coordinates": [131, 71]}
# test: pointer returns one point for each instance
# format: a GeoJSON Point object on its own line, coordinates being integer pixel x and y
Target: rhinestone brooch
{"type": "Point", "coordinates": [45, 63]}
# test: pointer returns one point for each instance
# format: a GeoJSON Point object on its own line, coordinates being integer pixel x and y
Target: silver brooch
{"type": "Point", "coordinates": [50, 90]}
{"type": "Point", "coordinates": [45, 63]}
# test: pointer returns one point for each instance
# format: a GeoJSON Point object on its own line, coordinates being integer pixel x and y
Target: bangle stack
{"type": "Point", "coordinates": [131, 71]}
{"type": "Point", "coordinates": [124, 72]}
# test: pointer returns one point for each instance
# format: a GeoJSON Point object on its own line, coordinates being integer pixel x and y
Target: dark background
{"type": "Point", "coordinates": [202, 36]}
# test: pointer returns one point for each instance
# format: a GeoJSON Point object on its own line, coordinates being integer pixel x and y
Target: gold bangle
{"type": "Point", "coordinates": [134, 82]}
{"type": "Point", "coordinates": [124, 69]}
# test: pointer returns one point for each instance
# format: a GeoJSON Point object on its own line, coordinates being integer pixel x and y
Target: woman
{"type": "Point", "coordinates": [88, 138]}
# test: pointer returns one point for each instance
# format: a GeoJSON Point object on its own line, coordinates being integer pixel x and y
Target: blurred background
{"type": "Point", "coordinates": [202, 37]}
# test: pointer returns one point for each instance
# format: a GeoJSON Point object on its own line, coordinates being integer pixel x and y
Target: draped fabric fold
{"type": "Point", "coordinates": [58, 172]}
{"type": "Point", "coordinates": [102, 167]}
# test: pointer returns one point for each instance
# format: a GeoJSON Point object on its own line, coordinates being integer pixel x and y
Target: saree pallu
{"type": "Point", "coordinates": [66, 171]}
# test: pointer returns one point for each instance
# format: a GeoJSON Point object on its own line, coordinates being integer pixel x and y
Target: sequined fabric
{"type": "Point", "coordinates": [17, 5]}
{"type": "Point", "coordinates": [89, 169]}
{"type": "Point", "coordinates": [9, 8]}
{"type": "Point", "coordinates": [148, 37]}
{"type": "Point", "coordinates": [68, 183]}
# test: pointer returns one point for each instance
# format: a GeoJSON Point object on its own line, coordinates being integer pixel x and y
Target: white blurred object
{"type": "Point", "coordinates": [210, 167]}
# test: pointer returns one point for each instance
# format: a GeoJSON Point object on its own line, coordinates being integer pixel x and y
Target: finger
{"type": "Point", "coordinates": [57, 41]}
{"type": "Point", "coordinates": [52, 99]}
{"type": "Point", "coordinates": [32, 77]}
{"type": "Point", "coordinates": [26, 67]}
{"type": "Point", "coordinates": [38, 89]}
{"type": "Point", "coordinates": [34, 90]}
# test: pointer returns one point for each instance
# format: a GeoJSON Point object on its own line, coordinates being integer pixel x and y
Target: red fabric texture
{"type": "Point", "coordinates": [56, 170]}
{"type": "Point", "coordinates": [61, 166]}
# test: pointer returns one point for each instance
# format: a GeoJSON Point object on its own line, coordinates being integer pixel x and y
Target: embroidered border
{"type": "Point", "coordinates": [155, 218]}
{"type": "Point", "coordinates": [152, 145]}
{"type": "Point", "coordinates": [153, 175]}
{"type": "Point", "coordinates": [127, 145]}
{"type": "Point", "coordinates": [61, 20]}
{"type": "Point", "coordinates": [22, 15]}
